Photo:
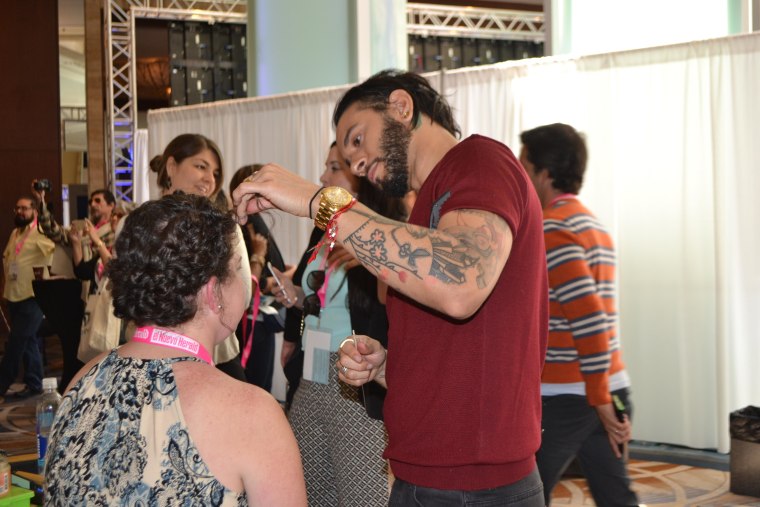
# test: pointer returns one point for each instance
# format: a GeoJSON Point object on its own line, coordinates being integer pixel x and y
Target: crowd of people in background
{"type": "Point", "coordinates": [449, 334]}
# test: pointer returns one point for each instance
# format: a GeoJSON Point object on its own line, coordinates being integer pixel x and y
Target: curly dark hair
{"type": "Point", "coordinates": [559, 149]}
{"type": "Point", "coordinates": [166, 252]}
{"type": "Point", "coordinates": [374, 93]}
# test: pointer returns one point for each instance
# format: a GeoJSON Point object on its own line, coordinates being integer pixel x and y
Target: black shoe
{"type": "Point", "coordinates": [26, 392]}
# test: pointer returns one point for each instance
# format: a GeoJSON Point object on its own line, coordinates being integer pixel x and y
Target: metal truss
{"type": "Point", "coordinates": [73, 113]}
{"type": "Point", "coordinates": [121, 98]}
{"type": "Point", "coordinates": [120, 15]}
{"type": "Point", "coordinates": [472, 22]}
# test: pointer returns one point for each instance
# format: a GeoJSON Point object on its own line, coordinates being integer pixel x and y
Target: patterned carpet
{"type": "Point", "coordinates": [664, 484]}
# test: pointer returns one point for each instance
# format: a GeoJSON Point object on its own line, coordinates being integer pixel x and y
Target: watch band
{"type": "Point", "coordinates": [331, 201]}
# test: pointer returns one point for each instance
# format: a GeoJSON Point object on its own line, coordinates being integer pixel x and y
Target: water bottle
{"type": "Point", "coordinates": [5, 474]}
{"type": "Point", "coordinates": [46, 409]}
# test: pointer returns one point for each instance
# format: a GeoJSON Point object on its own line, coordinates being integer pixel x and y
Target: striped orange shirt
{"type": "Point", "coordinates": [583, 341]}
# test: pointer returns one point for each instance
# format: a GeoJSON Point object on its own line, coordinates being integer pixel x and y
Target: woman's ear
{"type": "Point", "coordinates": [171, 167]}
{"type": "Point", "coordinates": [211, 295]}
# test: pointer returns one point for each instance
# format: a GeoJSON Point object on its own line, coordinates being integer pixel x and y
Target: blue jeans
{"type": "Point", "coordinates": [527, 492]}
{"type": "Point", "coordinates": [26, 318]}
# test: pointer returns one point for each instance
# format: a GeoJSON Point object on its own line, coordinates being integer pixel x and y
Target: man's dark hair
{"type": "Point", "coordinates": [107, 195]}
{"type": "Point", "coordinates": [31, 198]}
{"type": "Point", "coordinates": [374, 93]}
{"type": "Point", "coordinates": [166, 252]}
{"type": "Point", "coordinates": [559, 149]}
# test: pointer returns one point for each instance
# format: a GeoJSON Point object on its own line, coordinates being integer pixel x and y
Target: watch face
{"type": "Point", "coordinates": [339, 196]}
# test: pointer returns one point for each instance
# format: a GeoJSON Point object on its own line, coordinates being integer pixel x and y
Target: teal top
{"type": "Point", "coordinates": [334, 316]}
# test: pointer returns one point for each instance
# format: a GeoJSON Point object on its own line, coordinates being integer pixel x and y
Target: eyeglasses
{"type": "Point", "coordinates": [311, 304]}
{"type": "Point", "coordinates": [22, 208]}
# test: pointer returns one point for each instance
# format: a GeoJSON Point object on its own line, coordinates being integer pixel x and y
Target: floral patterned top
{"type": "Point", "coordinates": [119, 438]}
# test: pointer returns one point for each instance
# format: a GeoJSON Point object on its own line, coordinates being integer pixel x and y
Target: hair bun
{"type": "Point", "coordinates": [157, 163]}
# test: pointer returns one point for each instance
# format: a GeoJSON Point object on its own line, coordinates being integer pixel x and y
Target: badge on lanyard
{"type": "Point", "coordinates": [13, 271]}
{"type": "Point", "coordinates": [316, 350]}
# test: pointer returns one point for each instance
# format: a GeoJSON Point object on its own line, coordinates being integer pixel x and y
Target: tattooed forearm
{"type": "Point", "coordinates": [370, 244]}
{"type": "Point", "coordinates": [449, 255]}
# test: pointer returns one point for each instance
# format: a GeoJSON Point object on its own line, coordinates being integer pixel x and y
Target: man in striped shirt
{"type": "Point", "coordinates": [584, 374]}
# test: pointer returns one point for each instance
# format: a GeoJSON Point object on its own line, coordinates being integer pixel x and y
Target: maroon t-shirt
{"type": "Point", "coordinates": [463, 409]}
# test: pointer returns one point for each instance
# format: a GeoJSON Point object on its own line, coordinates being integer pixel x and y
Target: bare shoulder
{"type": "Point", "coordinates": [243, 434]}
{"type": "Point", "coordinates": [209, 388]}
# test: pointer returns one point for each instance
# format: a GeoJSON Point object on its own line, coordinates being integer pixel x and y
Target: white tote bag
{"type": "Point", "coordinates": [100, 327]}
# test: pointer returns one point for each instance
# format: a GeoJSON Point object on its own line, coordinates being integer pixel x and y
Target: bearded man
{"type": "Point", "coordinates": [26, 249]}
{"type": "Point", "coordinates": [102, 203]}
{"type": "Point", "coordinates": [468, 299]}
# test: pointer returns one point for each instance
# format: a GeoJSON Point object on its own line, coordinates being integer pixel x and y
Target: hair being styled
{"type": "Point", "coordinates": [242, 174]}
{"type": "Point", "coordinates": [559, 149]}
{"type": "Point", "coordinates": [167, 250]}
{"type": "Point", "coordinates": [180, 148]}
{"type": "Point", "coordinates": [374, 93]}
{"type": "Point", "coordinates": [107, 195]}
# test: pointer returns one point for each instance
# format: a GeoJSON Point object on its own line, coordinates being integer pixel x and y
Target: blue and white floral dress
{"type": "Point", "coordinates": [119, 438]}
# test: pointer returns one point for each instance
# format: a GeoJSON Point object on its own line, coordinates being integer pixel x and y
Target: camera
{"type": "Point", "coordinates": [40, 185]}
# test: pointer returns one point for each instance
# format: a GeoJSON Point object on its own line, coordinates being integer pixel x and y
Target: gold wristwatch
{"type": "Point", "coordinates": [331, 201]}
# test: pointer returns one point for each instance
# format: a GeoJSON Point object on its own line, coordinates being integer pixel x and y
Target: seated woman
{"type": "Point", "coordinates": [153, 422]}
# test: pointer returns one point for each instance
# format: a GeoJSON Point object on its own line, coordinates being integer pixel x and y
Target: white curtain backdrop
{"type": "Point", "coordinates": [141, 181]}
{"type": "Point", "coordinates": [673, 172]}
{"type": "Point", "coordinates": [293, 130]}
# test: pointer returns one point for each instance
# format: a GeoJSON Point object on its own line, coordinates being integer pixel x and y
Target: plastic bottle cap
{"type": "Point", "coordinates": [49, 383]}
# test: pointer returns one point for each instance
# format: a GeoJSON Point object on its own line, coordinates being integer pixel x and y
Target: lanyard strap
{"type": "Point", "coordinates": [253, 311]}
{"type": "Point", "coordinates": [171, 340]}
{"type": "Point", "coordinates": [20, 244]}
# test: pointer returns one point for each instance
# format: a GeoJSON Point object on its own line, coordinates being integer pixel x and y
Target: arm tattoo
{"type": "Point", "coordinates": [471, 242]}
{"type": "Point", "coordinates": [372, 251]}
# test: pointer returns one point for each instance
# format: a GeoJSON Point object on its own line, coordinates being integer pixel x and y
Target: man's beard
{"type": "Point", "coordinates": [394, 145]}
{"type": "Point", "coordinates": [21, 221]}
{"type": "Point", "coordinates": [95, 216]}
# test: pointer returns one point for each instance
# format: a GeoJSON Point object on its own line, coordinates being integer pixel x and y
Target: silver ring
{"type": "Point", "coordinates": [343, 370]}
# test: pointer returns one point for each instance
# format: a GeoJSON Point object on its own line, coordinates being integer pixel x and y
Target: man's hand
{"type": "Point", "coordinates": [75, 235]}
{"type": "Point", "coordinates": [39, 195]}
{"type": "Point", "coordinates": [361, 360]}
{"type": "Point", "coordinates": [270, 187]}
{"type": "Point", "coordinates": [618, 433]}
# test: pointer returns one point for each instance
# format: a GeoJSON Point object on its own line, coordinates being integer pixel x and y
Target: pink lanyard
{"type": "Point", "coordinates": [171, 340]}
{"type": "Point", "coordinates": [322, 291]}
{"type": "Point", "coordinates": [20, 244]}
{"type": "Point", "coordinates": [561, 197]}
{"type": "Point", "coordinates": [253, 311]}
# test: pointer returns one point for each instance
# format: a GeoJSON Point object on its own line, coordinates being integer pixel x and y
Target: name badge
{"type": "Point", "coordinates": [316, 350]}
{"type": "Point", "coordinates": [13, 271]}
